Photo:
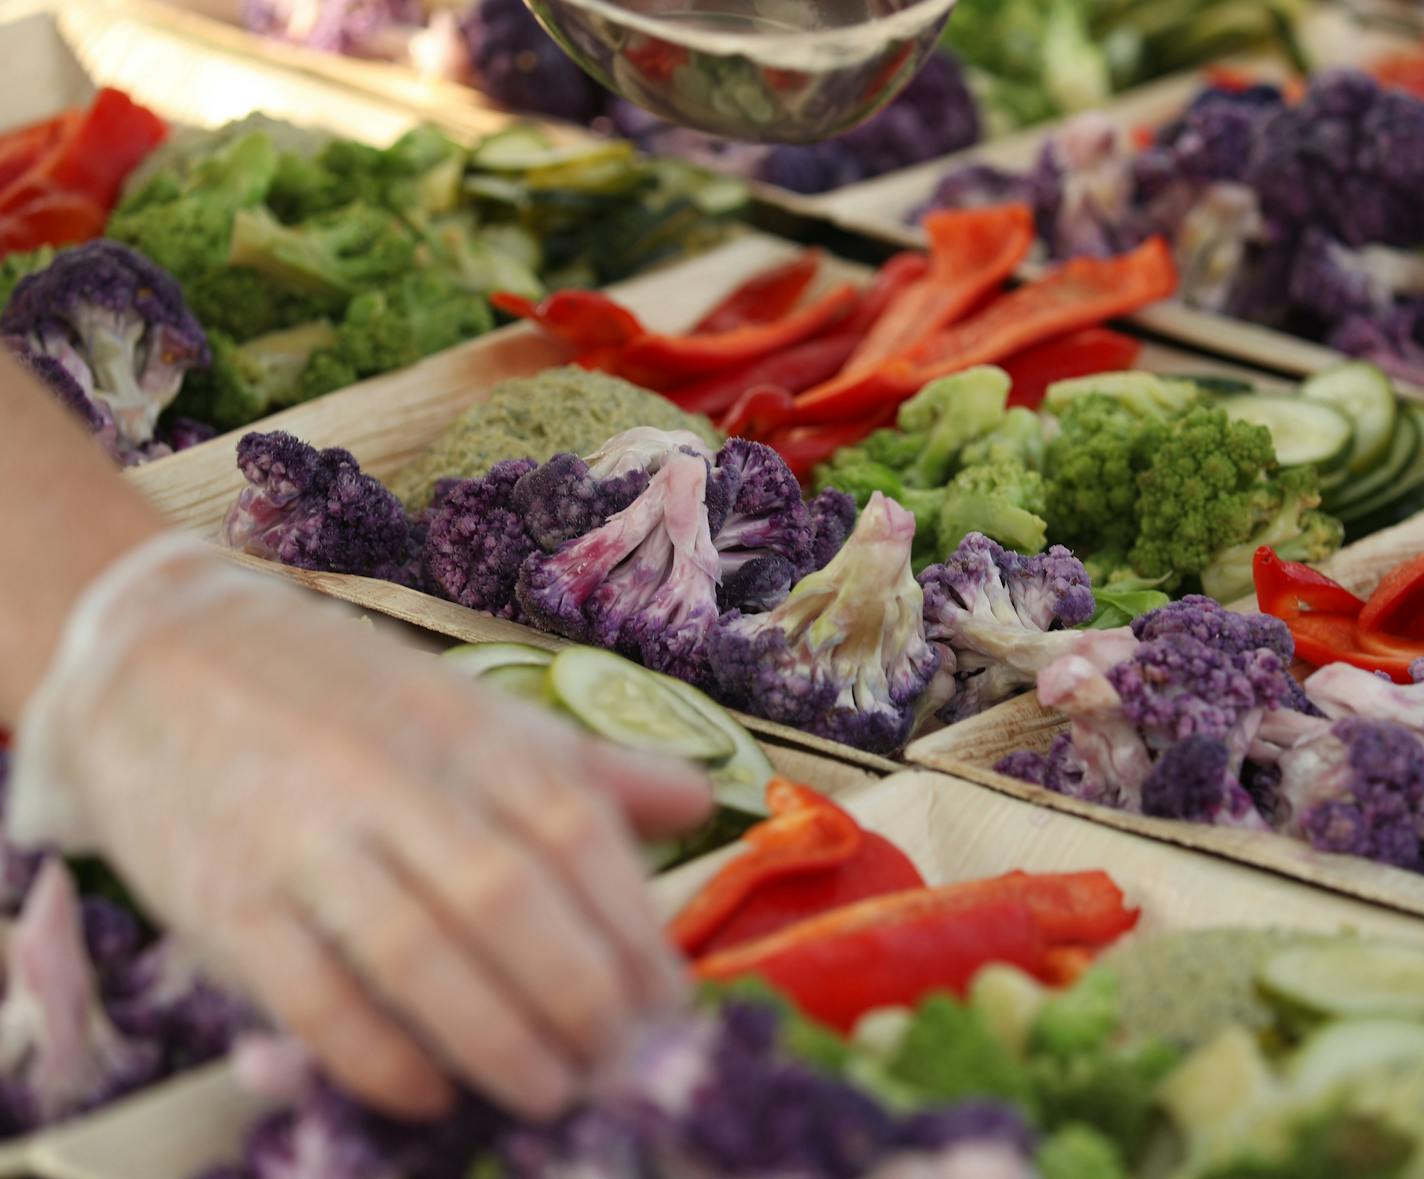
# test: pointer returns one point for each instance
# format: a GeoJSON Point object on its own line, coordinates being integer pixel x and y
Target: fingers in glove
{"type": "Point", "coordinates": [288, 969]}
{"type": "Point", "coordinates": [424, 971]}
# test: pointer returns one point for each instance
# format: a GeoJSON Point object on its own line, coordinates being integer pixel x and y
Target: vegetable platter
{"type": "Point", "coordinates": [974, 747]}
{"type": "Point", "coordinates": [951, 831]}
{"type": "Point", "coordinates": [1210, 313]}
{"type": "Point", "coordinates": [388, 422]}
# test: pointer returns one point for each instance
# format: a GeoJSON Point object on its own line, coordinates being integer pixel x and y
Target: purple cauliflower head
{"type": "Point", "coordinates": [119, 327]}
{"type": "Point", "coordinates": [764, 532]}
{"type": "Point", "coordinates": [1392, 339]}
{"type": "Point", "coordinates": [845, 655]}
{"type": "Point", "coordinates": [476, 540]}
{"type": "Point", "coordinates": [833, 515]}
{"type": "Point", "coordinates": [314, 509]}
{"type": "Point", "coordinates": [974, 186]}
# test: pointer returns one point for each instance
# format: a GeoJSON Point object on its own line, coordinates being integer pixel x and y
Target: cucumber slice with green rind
{"type": "Point", "coordinates": [1380, 485]}
{"type": "Point", "coordinates": [477, 659]}
{"type": "Point", "coordinates": [632, 707]}
{"type": "Point", "coordinates": [1303, 432]}
{"type": "Point", "coordinates": [1347, 1051]}
{"type": "Point", "coordinates": [1363, 393]}
{"type": "Point", "coordinates": [740, 781]}
{"type": "Point", "coordinates": [525, 680]}
{"type": "Point", "coordinates": [1346, 979]}
{"type": "Point", "coordinates": [1402, 485]}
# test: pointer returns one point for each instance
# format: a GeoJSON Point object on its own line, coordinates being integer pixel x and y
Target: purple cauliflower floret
{"type": "Point", "coordinates": [1208, 621]}
{"type": "Point", "coordinates": [1058, 770]}
{"type": "Point", "coordinates": [644, 584]}
{"type": "Point", "coordinates": [59, 1052]}
{"type": "Point", "coordinates": [845, 655]}
{"type": "Point", "coordinates": [1084, 186]}
{"type": "Point", "coordinates": [766, 537]}
{"type": "Point", "coordinates": [112, 935]}
{"type": "Point", "coordinates": [1001, 618]}
{"type": "Point", "coordinates": [833, 515]}
{"type": "Point", "coordinates": [476, 540]}
{"type": "Point", "coordinates": [314, 509]}
{"type": "Point", "coordinates": [1348, 159]}
{"type": "Point", "coordinates": [568, 496]}
{"type": "Point", "coordinates": [1393, 339]}
{"type": "Point", "coordinates": [516, 63]}
{"type": "Point", "coordinates": [975, 186]}
{"type": "Point", "coordinates": [184, 433]}
{"type": "Point", "coordinates": [1193, 780]}
{"type": "Point", "coordinates": [1358, 789]}
{"type": "Point", "coordinates": [1213, 140]}
{"type": "Point", "coordinates": [358, 28]}
{"type": "Point", "coordinates": [118, 326]}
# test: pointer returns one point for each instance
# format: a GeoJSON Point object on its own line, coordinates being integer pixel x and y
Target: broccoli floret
{"type": "Point", "coordinates": [477, 540]}
{"type": "Point", "coordinates": [1079, 1021]}
{"type": "Point", "coordinates": [1145, 395]}
{"type": "Point", "coordinates": [766, 539]}
{"type": "Point", "coordinates": [948, 1054]}
{"type": "Point", "coordinates": [644, 584]}
{"type": "Point", "coordinates": [1284, 517]}
{"type": "Point", "coordinates": [1358, 789]}
{"type": "Point", "coordinates": [1206, 489]}
{"type": "Point", "coordinates": [249, 381]}
{"type": "Point", "coordinates": [184, 221]}
{"type": "Point", "coordinates": [845, 655]}
{"type": "Point", "coordinates": [119, 326]}
{"type": "Point", "coordinates": [1080, 1152]}
{"type": "Point", "coordinates": [315, 509]}
{"type": "Point", "coordinates": [892, 447]}
{"type": "Point", "coordinates": [332, 256]}
{"type": "Point", "coordinates": [1003, 500]}
{"type": "Point", "coordinates": [950, 413]}
{"type": "Point", "coordinates": [243, 304]}
{"type": "Point", "coordinates": [59, 1052]}
{"type": "Point", "coordinates": [1019, 439]}
{"type": "Point", "coordinates": [1001, 618]}
{"type": "Point", "coordinates": [1093, 466]}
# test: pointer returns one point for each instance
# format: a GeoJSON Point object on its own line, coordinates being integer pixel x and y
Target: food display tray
{"type": "Point", "coordinates": [879, 208]}
{"type": "Point", "coordinates": [952, 829]}
{"type": "Point", "coordinates": [387, 421]}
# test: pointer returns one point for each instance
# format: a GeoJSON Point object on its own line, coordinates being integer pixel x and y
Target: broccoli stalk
{"type": "Point", "coordinates": [845, 655]}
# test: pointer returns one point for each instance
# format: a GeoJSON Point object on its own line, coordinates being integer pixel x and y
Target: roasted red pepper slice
{"type": "Point", "coordinates": [898, 273]}
{"type": "Point", "coordinates": [1397, 605]}
{"type": "Point", "coordinates": [884, 952]}
{"type": "Point", "coordinates": [587, 320]}
{"type": "Point", "coordinates": [806, 832]}
{"type": "Point", "coordinates": [1289, 589]}
{"type": "Point", "coordinates": [758, 412]}
{"type": "Point", "coordinates": [1321, 639]}
{"type": "Point", "coordinates": [661, 362]}
{"type": "Point", "coordinates": [972, 253]}
{"type": "Point", "coordinates": [764, 297]}
{"type": "Point", "coordinates": [794, 369]}
{"type": "Point", "coordinates": [1082, 354]}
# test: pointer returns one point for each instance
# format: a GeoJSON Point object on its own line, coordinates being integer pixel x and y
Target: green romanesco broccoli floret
{"type": "Point", "coordinates": [1080, 1152]}
{"type": "Point", "coordinates": [335, 255]}
{"type": "Point", "coordinates": [248, 381]}
{"type": "Point", "coordinates": [183, 220]}
{"type": "Point", "coordinates": [1004, 500]}
{"type": "Point", "coordinates": [1093, 465]}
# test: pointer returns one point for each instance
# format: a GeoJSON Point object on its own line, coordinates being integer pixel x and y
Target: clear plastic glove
{"type": "Point", "coordinates": [414, 876]}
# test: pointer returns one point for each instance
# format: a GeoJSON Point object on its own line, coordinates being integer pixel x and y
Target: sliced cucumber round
{"type": "Point", "coordinates": [477, 659]}
{"type": "Point", "coordinates": [525, 680]}
{"type": "Point", "coordinates": [1304, 432]}
{"type": "Point", "coordinates": [740, 781]}
{"type": "Point", "coordinates": [1363, 394]}
{"type": "Point", "coordinates": [632, 707]}
{"type": "Point", "coordinates": [1380, 484]}
{"type": "Point", "coordinates": [1345, 979]}
{"type": "Point", "coordinates": [1347, 1051]}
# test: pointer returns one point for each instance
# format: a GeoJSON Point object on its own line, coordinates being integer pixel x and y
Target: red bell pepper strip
{"type": "Point", "coordinates": [794, 369]}
{"type": "Point", "coordinates": [49, 216]}
{"type": "Point", "coordinates": [758, 412]}
{"type": "Point", "coordinates": [21, 150]}
{"type": "Point", "coordinates": [112, 140]}
{"type": "Point", "coordinates": [803, 448]}
{"type": "Point", "coordinates": [764, 297]}
{"type": "Point", "coordinates": [972, 253]}
{"type": "Point", "coordinates": [888, 951]}
{"type": "Point", "coordinates": [587, 320]}
{"type": "Point", "coordinates": [1397, 605]}
{"type": "Point", "coordinates": [1321, 639]}
{"type": "Point", "coordinates": [806, 832]}
{"type": "Point", "coordinates": [1288, 589]}
{"type": "Point", "coordinates": [661, 362]}
{"type": "Point", "coordinates": [1082, 354]}
{"type": "Point", "coordinates": [1402, 71]}
{"type": "Point", "coordinates": [1065, 965]}
{"type": "Point", "coordinates": [898, 273]}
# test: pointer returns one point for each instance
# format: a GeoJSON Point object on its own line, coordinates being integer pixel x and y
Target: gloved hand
{"type": "Point", "coordinates": [415, 876]}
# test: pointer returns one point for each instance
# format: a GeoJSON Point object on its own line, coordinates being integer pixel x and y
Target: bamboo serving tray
{"type": "Point", "coordinates": [879, 208]}
{"type": "Point", "coordinates": [386, 422]}
{"type": "Point", "coordinates": [950, 828]}
{"type": "Point", "coordinates": [971, 749]}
